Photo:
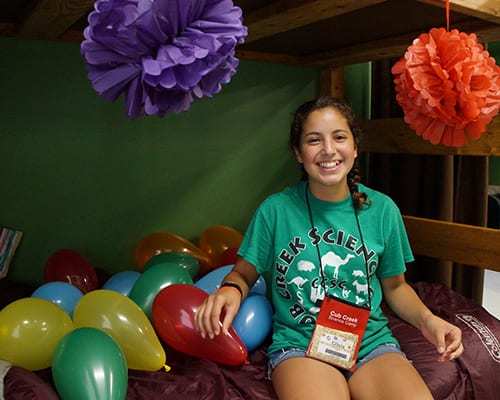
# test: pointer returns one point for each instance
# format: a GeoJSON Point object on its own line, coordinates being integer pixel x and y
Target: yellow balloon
{"type": "Point", "coordinates": [30, 330]}
{"type": "Point", "coordinates": [125, 321]}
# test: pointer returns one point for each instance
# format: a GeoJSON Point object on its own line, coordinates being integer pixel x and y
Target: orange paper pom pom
{"type": "Point", "coordinates": [448, 87]}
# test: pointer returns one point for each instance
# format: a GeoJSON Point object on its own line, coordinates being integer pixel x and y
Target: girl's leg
{"type": "Point", "coordinates": [302, 378]}
{"type": "Point", "coordinates": [389, 376]}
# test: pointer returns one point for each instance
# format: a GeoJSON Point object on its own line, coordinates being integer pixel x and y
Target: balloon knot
{"type": "Point", "coordinates": [167, 367]}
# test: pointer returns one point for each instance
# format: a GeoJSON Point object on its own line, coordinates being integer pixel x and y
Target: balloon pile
{"type": "Point", "coordinates": [92, 334]}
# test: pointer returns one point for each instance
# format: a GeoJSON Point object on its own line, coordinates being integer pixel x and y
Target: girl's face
{"type": "Point", "coordinates": [327, 151]}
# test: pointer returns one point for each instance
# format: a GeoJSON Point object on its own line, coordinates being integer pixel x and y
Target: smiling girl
{"type": "Point", "coordinates": [348, 245]}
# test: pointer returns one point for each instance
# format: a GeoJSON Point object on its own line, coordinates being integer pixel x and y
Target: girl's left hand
{"type": "Point", "coordinates": [445, 336]}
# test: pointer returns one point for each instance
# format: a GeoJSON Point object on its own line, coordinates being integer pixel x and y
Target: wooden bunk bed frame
{"type": "Point", "coordinates": [460, 243]}
{"type": "Point", "coordinates": [449, 241]}
{"type": "Point", "coordinates": [465, 244]}
{"type": "Point", "coordinates": [329, 35]}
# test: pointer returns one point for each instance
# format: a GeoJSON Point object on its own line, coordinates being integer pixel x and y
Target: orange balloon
{"type": "Point", "coordinates": [216, 239]}
{"type": "Point", "coordinates": [164, 242]}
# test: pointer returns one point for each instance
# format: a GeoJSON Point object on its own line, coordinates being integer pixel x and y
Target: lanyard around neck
{"type": "Point", "coordinates": [319, 253]}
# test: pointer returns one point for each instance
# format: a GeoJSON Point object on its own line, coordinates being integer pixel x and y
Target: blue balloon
{"type": "Point", "coordinates": [254, 321]}
{"type": "Point", "coordinates": [64, 294]}
{"type": "Point", "coordinates": [122, 282]}
{"type": "Point", "coordinates": [210, 283]}
{"type": "Point", "coordinates": [259, 287]}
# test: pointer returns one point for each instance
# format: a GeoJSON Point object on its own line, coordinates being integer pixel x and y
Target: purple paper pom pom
{"type": "Point", "coordinates": [162, 54]}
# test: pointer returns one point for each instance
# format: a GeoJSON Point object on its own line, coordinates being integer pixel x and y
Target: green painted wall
{"type": "Point", "coordinates": [77, 173]}
{"type": "Point", "coordinates": [357, 88]}
{"type": "Point", "coordinates": [494, 50]}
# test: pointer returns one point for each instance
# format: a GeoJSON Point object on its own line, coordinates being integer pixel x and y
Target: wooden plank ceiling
{"type": "Point", "coordinates": [322, 33]}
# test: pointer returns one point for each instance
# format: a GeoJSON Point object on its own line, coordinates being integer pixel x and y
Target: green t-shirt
{"type": "Point", "coordinates": [282, 239]}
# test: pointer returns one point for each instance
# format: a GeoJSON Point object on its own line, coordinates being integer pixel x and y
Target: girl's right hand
{"type": "Point", "coordinates": [224, 303]}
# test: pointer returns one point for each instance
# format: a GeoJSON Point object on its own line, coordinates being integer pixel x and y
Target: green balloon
{"type": "Point", "coordinates": [89, 364]}
{"type": "Point", "coordinates": [154, 279]}
{"type": "Point", "coordinates": [190, 263]}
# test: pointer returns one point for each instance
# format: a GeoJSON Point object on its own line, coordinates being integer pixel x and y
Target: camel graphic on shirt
{"type": "Point", "coordinates": [330, 259]}
{"type": "Point", "coordinates": [333, 260]}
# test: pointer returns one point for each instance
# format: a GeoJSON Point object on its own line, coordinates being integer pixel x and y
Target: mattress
{"type": "Point", "coordinates": [475, 375]}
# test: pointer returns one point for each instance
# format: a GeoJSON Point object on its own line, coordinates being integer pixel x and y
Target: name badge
{"type": "Point", "coordinates": [338, 333]}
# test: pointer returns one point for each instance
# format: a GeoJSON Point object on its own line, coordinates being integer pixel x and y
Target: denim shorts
{"type": "Point", "coordinates": [284, 354]}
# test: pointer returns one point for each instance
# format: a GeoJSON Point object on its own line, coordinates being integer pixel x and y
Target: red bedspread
{"type": "Point", "coordinates": [476, 375]}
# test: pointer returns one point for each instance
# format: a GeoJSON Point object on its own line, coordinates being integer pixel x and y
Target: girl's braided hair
{"type": "Point", "coordinates": [353, 177]}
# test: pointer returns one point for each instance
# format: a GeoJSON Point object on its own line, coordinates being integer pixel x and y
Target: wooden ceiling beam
{"type": "Point", "coordinates": [394, 46]}
{"type": "Point", "coordinates": [48, 19]}
{"type": "Point", "coordinates": [275, 58]}
{"type": "Point", "coordinates": [486, 10]}
{"type": "Point", "coordinates": [284, 15]}
{"type": "Point", "coordinates": [393, 135]}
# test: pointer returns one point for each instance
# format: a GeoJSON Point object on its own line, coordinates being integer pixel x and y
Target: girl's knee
{"type": "Point", "coordinates": [386, 377]}
{"type": "Point", "coordinates": [305, 378]}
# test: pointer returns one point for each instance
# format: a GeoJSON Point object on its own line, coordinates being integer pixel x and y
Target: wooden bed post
{"type": "Point", "coordinates": [331, 82]}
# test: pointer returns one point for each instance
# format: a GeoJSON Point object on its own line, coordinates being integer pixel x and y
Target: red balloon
{"type": "Point", "coordinates": [70, 266]}
{"type": "Point", "coordinates": [173, 313]}
{"type": "Point", "coordinates": [229, 257]}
